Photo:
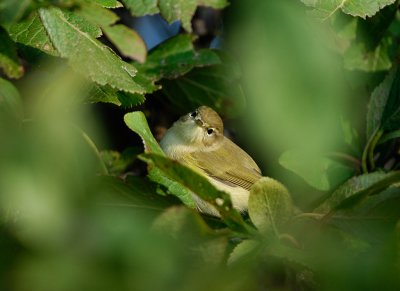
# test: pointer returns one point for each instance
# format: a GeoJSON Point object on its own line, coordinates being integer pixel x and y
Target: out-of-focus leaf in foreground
{"type": "Point", "coordinates": [270, 206]}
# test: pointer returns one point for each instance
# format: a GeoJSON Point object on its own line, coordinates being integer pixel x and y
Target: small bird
{"type": "Point", "coordinates": [197, 141]}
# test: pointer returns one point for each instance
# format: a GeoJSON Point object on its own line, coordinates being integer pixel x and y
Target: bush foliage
{"type": "Point", "coordinates": [322, 103]}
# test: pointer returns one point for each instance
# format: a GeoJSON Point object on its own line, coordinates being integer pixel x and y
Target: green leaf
{"type": "Point", "coordinates": [97, 14]}
{"type": "Point", "coordinates": [137, 122]}
{"type": "Point", "coordinates": [11, 11]}
{"type": "Point", "coordinates": [320, 172]}
{"type": "Point", "coordinates": [391, 114]}
{"type": "Point", "coordinates": [142, 7]}
{"type": "Point", "coordinates": [389, 136]}
{"type": "Point", "coordinates": [128, 42]}
{"type": "Point", "coordinates": [324, 9]}
{"type": "Point", "coordinates": [351, 186]}
{"type": "Point", "coordinates": [245, 250]}
{"type": "Point", "coordinates": [116, 162]}
{"type": "Point", "coordinates": [355, 198]}
{"type": "Point", "coordinates": [104, 94]}
{"type": "Point", "coordinates": [176, 57]}
{"type": "Point", "coordinates": [87, 55]}
{"type": "Point", "coordinates": [10, 101]}
{"type": "Point", "coordinates": [31, 32]}
{"type": "Point", "coordinates": [183, 10]}
{"type": "Point", "coordinates": [359, 57]}
{"type": "Point", "coordinates": [138, 194]}
{"type": "Point", "coordinates": [198, 184]}
{"type": "Point", "coordinates": [108, 3]}
{"type": "Point", "coordinates": [9, 62]}
{"type": "Point", "coordinates": [270, 206]}
{"type": "Point", "coordinates": [350, 137]}
{"type": "Point", "coordinates": [217, 86]}
{"type": "Point", "coordinates": [377, 103]}
{"type": "Point", "coordinates": [372, 219]}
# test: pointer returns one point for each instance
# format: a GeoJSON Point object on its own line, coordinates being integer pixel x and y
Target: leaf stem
{"type": "Point", "coordinates": [371, 150]}
{"type": "Point", "coordinates": [92, 145]}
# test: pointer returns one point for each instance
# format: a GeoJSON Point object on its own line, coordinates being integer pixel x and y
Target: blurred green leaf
{"type": "Point", "coordinates": [97, 14]}
{"type": "Point", "coordinates": [31, 32]}
{"type": "Point", "coordinates": [243, 251]}
{"type": "Point", "coordinates": [10, 102]}
{"type": "Point", "coordinates": [137, 194]}
{"type": "Point", "coordinates": [353, 185]}
{"type": "Point", "coordinates": [356, 197]}
{"type": "Point", "coordinates": [351, 137]}
{"type": "Point", "coordinates": [198, 185]}
{"type": "Point", "coordinates": [128, 42]}
{"type": "Point", "coordinates": [359, 57]}
{"type": "Point", "coordinates": [142, 7]}
{"type": "Point", "coordinates": [12, 11]}
{"type": "Point", "coordinates": [270, 206]}
{"type": "Point", "coordinates": [320, 172]}
{"type": "Point", "coordinates": [9, 61]}
{"type": "Point", "coordinates": [176, 57]}
{"type": "Point", "coordinates": [117, 162]}
{"type": "Point", "coordinates": [173, 10]}
{"type": "Point", "coordinates": [377, 103]}
{"type": "Point", "coordinates": [325, 9]}
{"type": "Point", "coordinates": [87, 55]}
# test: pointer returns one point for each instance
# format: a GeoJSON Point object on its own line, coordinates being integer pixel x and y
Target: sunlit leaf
{"type": "Point", "coordinates": [87, 55]}
{"type": "Point", "coordinates": [109, 3]}
{"type": "Point", "coordinates": [184, 10]}
{"type": "Point", "coordinates": [142, 7]}
{"type": "Point", "coordinates": [31, 32]}
{"type": "Point", "coordinates": [97, 14]}
{"type": "Point", "coordinates": [128, 42]}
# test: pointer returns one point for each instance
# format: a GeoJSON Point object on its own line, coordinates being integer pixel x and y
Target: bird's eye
{"type": "Point", "coordinates": [210, 131]}
{"type": "Point", "coordinates": [193, 114]}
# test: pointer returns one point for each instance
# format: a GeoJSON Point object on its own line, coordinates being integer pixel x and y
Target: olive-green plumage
{"type": "Point", "coordinates": [197, 141]}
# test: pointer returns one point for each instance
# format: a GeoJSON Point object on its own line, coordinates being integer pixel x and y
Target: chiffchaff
{"type": "Point", "coordinates": [197, 141]}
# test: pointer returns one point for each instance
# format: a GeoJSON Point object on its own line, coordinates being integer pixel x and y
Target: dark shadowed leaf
{"type": "Point", "coordinates": [378, 102]}
{"type": "Point", "coordinates": [175, 57]}
{"type": "Point", "coordinates": [9, 62]}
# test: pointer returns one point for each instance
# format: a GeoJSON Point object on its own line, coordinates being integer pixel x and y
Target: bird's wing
{"type": "Point", "coordinates": [228, 164]}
